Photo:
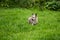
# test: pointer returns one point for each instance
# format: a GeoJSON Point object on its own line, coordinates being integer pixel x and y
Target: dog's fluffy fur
{"type": "Point", "coordinates": [33, 19]}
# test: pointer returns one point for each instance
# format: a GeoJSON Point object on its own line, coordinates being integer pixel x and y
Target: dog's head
{"type": "Point", "coordinates": [34, 14]}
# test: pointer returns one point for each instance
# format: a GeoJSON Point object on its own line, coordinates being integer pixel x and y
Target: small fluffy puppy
{"type": "Point", "coordinates": [33, 19]}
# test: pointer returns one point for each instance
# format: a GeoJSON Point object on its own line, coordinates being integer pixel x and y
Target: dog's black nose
{"type": "Point", "coordinates": [32, 20]}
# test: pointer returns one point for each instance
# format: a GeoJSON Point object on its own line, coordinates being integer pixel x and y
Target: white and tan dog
{"type": "Point", "coordinates": [33, 19]}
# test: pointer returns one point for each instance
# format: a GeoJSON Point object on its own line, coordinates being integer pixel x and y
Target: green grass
{"type": "Point", "coordinates": [14, 25]}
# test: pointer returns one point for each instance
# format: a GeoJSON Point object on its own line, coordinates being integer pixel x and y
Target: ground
{"type": "Point", "coordinates": [14, 24]}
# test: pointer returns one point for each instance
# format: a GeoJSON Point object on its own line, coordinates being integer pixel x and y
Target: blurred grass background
{"type": "Point", "coordinates": [14, 25]}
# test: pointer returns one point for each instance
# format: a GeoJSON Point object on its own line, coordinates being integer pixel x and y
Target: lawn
{"type": "Point", "coordinates": [14, 25]}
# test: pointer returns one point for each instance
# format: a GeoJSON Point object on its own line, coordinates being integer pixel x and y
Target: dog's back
{"type": "Point", "coordinates": [30, 20]}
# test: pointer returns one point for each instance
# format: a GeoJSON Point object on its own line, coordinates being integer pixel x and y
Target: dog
{"type": "Point", "coordinates": [33, 19]}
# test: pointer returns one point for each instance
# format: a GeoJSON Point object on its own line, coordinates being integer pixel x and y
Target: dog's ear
{"type": "Point", "coordinates": [36, 14]}
{"type": "Point", "coordinates": [32, 13]}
